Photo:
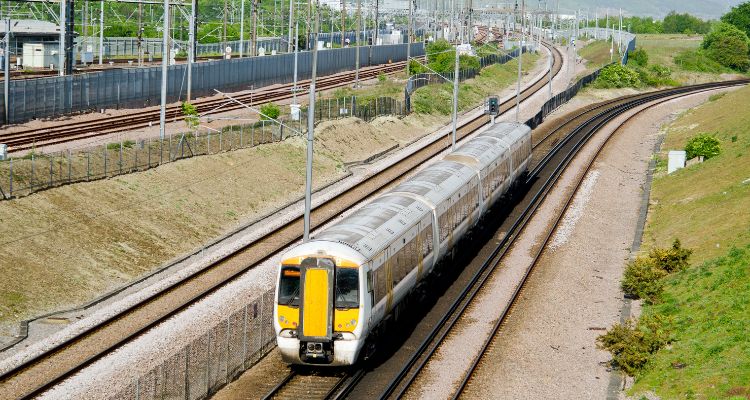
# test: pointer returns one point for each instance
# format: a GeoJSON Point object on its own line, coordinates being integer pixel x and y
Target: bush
{"type": "Point", "coordinates": [656, 75]}
{"type": "Point", "coordinates": [643, 276]}
{"type": "Point", "coordinates": [382, 77]}
{"type": "Point", "coordinates": [638, 57]}
{"type": "Point", "coordinates": [699, 61]}
{"type": "Point", "coordinates": [739, 16]}
{"type": "Point", "coordinates": [703, 145]}
{"type": "Point", "coordinates": [729, 46]}
{"type": "Point", "coordinates": [269, 111]}
{"type": "Point", "coordinates": [672, 259]}
{"type": "Point", "coordinates": [416, 68]}
{"type": "Point", "coordinates": [617, 76]}
{"type": "Point", "coordinates": [632, 344]}
{"type": "Point", "coordinates": [642, 279]}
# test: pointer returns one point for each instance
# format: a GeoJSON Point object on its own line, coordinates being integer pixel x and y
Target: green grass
{"type": "Point", "coordinates": [437, 99]}
{"type": "Point", "coordinates": [706, 205]}
{"type": "Point", "coordinates": [708, 309]}
{"type": "Point", "coordinates": [596, 53]}
{"type": "Point", "coordinates": [707, 306]}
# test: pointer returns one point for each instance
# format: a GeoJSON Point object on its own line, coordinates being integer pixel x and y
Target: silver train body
{"type": "Point", "coordinates": [336, 289]}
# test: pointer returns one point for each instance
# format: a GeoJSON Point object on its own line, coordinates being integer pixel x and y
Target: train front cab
{"type": "Point", "coordinates": [319, 311]}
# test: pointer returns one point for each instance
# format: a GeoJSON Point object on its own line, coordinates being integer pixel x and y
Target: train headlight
{"type": "Point", "coordinates": [288, 333]}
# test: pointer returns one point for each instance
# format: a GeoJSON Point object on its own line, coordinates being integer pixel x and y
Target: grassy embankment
{"type": "Point", "coordinates": [706, 307]}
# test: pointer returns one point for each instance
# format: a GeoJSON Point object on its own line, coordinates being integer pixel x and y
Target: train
{"type": "Point", "coordinates": [335, 292]}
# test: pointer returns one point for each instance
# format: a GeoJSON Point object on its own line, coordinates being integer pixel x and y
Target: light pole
{"type": "Point", "coordinates": [359, 29]}
{"type": "Point", "coordinates": [164, 57]}
{"type": "Point", "coordinates": [101, 32]}
{"type": "Point", "coordinates": [6, 70]}
{"type": "Point", "coordinates": [311, 128]}
{"type": "Point", "coordinates": [520, 57]}
{"type": "Point", "coordinates": [455, 100]}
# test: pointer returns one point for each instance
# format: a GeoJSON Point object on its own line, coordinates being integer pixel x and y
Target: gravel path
{"type": "Point", "coordinates": [547, 349]}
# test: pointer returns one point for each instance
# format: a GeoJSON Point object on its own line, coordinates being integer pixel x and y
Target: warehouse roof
{"type": "Point", "coordinates": [29, 27]}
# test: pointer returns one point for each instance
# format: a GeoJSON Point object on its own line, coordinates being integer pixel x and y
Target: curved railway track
{"type": "Point", "coordinates": [38, 373]}
{"type": "Point", "coordinates": [542, 180]}
{"type": "Point", "coordinates": [65, 132]}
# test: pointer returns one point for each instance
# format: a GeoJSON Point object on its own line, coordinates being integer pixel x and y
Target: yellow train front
{"type": "Point", "coordinates": [334, 293]}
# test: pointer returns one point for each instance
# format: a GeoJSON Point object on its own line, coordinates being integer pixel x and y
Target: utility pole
{"type": "Point", "coordinates": [408, 37]}
{"type": "Point", "coordinates": [310, 130]}
{"type": "Point", "coordinates": [343, 22]}
{"type": "Point", "coordinates": [359, 29]}
{"type": "Point", "coordinates": [520, 57]}
{"type": "Point", "coordinates": [308, 39]}
{"type": "Point", "coordinates": [291, 18]}
{"type": "Point", "coordinates": [377, 22]}
{"type": "Point", "coordinates": [164, 60]}
{"type": "Point", "coordinates": [242, 28]}
{"type": "Point", "coordinates": [191, 48]}
{"type": "Point", "coordinates": [296, 55]}
{"type": "Point", "coordinates": [6, 70]}
{"type": "Point", "coordinates": [140, 33]}
{"type": "Point", "coordinates": [101, 33]}
{"type": "Point", "coordinates": [61, 49]}
{"type": "Point", "coordinates": [224, 35]}
{"type": "Point", "coordinates": [254, 39]}
{"type": "Point", "coordinates": [456, 73]}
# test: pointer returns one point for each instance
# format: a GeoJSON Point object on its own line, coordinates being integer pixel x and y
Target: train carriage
{"type": "Point", "coordinates": [335, 290]}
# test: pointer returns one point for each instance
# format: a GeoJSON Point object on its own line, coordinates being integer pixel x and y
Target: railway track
{"type": "Point", "coordinates": [315, 385]}
{"type": "Point", "coordinates": [542, 179]}
{"type": "Point", "coordinates": [65, 132]}
{"type": "Point", "coordinates": [39, 373]}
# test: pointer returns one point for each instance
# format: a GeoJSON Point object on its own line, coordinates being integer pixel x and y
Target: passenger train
{"type": "Point", "coordinates": [336, 290]}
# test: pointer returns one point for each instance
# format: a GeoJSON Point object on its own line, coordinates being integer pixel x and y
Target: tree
{"type": "Point", "coordinates": [684, 23]}
{"type": "Point", "coordinates": [728, 45]}
{"type": "Point", "coordinates": [739, 16]}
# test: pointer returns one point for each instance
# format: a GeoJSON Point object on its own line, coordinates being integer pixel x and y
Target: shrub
{"type": "Point", "coordinates": [703, 145]}
{"type": "Point", "coordinates": [656, 75]}
{"type": "Point", "coordinates": [672, 259]}
{"type": "Point", "coordinates": [643, 276]}
{"type": "Point", "coordinates": [632, 344]}
{"type": "Point", "coordinates": [728, 45]}
{"type": "Point", "coordinates": [269, 111]}
{"type": "Point", "coordinates": [415, 68]}
{"type": "Point", "coordinates": [617, 76]}
{"type": "Point", "coordinates": [382, 77]}
{"type": "Point", "coordinates": [642, 279]}
{"type": "Point", "coordinates": [638, 57]}
{"type": "Point", "coordinates": [191, 115]}
{"type": "Point", "coordinates": [699, 61]}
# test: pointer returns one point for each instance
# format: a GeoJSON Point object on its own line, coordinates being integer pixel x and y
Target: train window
{"type": "Point", "coordinates": [289, 286]}
{"type": "Point", "coordinates": [347, 287]}
{"type": "Point", "coordinates": [379, 283]}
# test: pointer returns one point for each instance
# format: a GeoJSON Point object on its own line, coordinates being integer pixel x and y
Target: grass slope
{"type": "Point", "coordinates": [707, 206]}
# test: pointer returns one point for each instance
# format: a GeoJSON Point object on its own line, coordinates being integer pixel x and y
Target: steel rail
{"type": "Point", "coordinates": [38, 373]}
{"type": "Point", "coordinates": [472, 289]}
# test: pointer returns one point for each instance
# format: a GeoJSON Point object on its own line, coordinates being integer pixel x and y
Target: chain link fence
{"type": "Point", "coordinates": [40, 171]}
{"type": "Point", "coordinates": [213, 359]}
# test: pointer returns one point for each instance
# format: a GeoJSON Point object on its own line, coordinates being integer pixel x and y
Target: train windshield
{"type": "Point", "coordinates": [347, 287]}
{"type": "Point", "coordinates": [289, 286]}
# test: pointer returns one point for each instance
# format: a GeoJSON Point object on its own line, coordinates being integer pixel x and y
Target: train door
{"type": "Point", "coordinates": [316, 319]}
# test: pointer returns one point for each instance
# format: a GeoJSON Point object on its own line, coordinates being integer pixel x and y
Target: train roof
{"type": "Point", "coordinates": [377, 224]}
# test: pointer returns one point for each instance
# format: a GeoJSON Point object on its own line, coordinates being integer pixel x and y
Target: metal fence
{"type": "Point", "coordinates": [35, 172]}
{"type": "Point", "coordinates": [563, 97]}
{"type": "Point", "coordinates": [417, 81]}
{"type": "Point", "coordinates": [141, 87]}
{"type": "Point", "coordinates": [212, 360]}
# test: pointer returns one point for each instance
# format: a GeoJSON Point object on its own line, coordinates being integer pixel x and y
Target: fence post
{"type": "Point", "coordinates": [221, 139]}
{"type": "Point", "coordinates": [88, 165]}
{"type": "Point", "coordinates": [208, 364]}
{"type": "Point", "coordinates": [33, 168]}
{"type": "Point", "coordinates": [120, 156]}
{"type": "Point", "coordinates": [187, 372]}
{"type": "Point", "coordinates": [105, 160]}
{"type": "Point", "coordinates": [50, 170]}
{"type": "Point", "coordinates": [242, 129]}
{"type": "Point", "coordinates": [169, 151]}
{"type": "Point", "coordinates": [244, 336]}
{"type": "Point", "coordinates": [252, 135]}
{"type": "Point", "coordinates": [135, 162]}
{"type": "Point", "coordinates": [208, 143]}
{"type": "Point", "coordinates": [148, 157]}
{"type": "Point", "coordinates": [70, 167]}
{"type": "Point", "coordinates": [11, 177]}
{"type": "Point", "coordinates": [226, 371]}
